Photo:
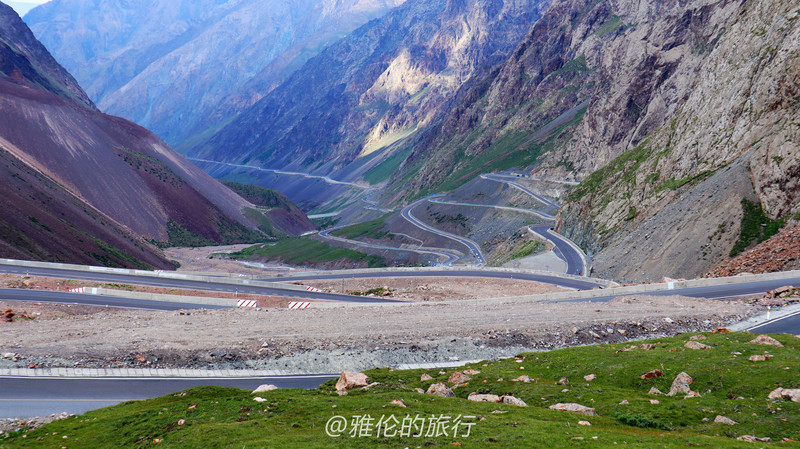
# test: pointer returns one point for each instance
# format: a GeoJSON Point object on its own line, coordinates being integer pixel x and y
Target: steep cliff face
{"type": "Point", "coordinates": [379, 85]}
{"type": "Point", "coordinates": [180, 67]}
{"type": "Point", "coordinates": [724, 126]}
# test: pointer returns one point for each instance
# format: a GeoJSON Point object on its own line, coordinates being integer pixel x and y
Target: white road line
{"type": "Point", "coordinates": [774, 320]}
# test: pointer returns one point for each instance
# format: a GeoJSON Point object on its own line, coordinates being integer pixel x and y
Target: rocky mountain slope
{"type": "Point", "coordinates": [82, 186]}
{"type": "Point", "coordinates": [680, 110]}
{"type": "Point", "coordinates": [379, 85]}
{"type": "Point", "coordinates": [722, 124]}
{"type": "Point", "coordinates": [180, 67]}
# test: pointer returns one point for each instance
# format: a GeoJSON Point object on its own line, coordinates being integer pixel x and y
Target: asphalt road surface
{"type": "Point", "coordinates": [473, 247]}
{"type": "Point", "coordinates": [564, 250]}
{"type": "Point", "coordinates": [513, 181]}
{"type": "Point", "coordinates": [566, 282]}
{"type": "Point", "coordinates": [789, 324]}
{"type": "Point", "coordinates": [25, 397]}
{"type": "Point", "coordinates": [168, 282]}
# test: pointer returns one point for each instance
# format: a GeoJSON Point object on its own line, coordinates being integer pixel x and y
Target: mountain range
{"type": "Point", "coordinates": [679, 119]}
{"type": "Point", "coordinates": [180, 67]}
{"type": "Point", "coordinates": [81, 186]}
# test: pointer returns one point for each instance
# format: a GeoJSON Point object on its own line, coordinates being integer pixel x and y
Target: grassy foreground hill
{"type": "Point", "coordinates": [728, 382]}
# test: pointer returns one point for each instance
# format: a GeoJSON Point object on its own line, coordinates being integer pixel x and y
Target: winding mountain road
{"type": "Point", "coordinates": [472, 246]}
{"type": "Point", "coordinates": [567, 250]}
{"type": "Point", "coordinates": [326, 179]}
{"type": "Point", "coordinates": [449, 257]}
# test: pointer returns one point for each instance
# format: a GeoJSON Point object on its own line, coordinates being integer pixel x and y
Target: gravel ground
{"type": "Point", "coordinates": [329, 340]}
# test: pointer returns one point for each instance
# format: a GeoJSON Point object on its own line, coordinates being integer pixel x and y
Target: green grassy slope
{"type": "Point", "coordinates": [729, 385]}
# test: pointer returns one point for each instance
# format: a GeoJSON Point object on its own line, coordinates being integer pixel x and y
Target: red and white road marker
{"type": "Point", "coordinates": [312, 289]}
{"type": "Point", "coordinates": [247, 303]}
{"type": "Point", "coordinates": [299, 305]}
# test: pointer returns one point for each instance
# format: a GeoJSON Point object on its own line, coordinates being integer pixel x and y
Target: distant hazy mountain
{"type": "Point", "coordinates": [178, 67]}
{"type": "Point", "coordinates": [22, 8]}
{"type": "Point", "coordinates": [380, 84]}
{"type": "Point", "coordinates": [80, 186]}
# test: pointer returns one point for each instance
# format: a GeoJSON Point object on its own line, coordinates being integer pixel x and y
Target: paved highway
{"type": "Point", "coordinates": [564, 249]}
{"type": "Point", "coordinates": [512, 209]}
{"type": "Point", "coordinates": [788, 324]}
{"type": "Point", "coordinates": [566, 282]}
{"type": "Point", "coordinates": [473, 247]}
{"type": "Point", "coordinates": [708, 292]}
{"type": "Point", "coordinates": [95, 300]}
{"type": "Point", "coordinates": [513, 181]}
{"type": "Point", "coordinates": [24, 397]}
{"type": "Point", "coordinates": [169, 282]}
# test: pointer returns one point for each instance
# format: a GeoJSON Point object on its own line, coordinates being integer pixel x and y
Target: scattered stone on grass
{"type": "Point", "coordinates": [652, 374]}
{"type": "Point", "coordinates": [349, 380]}
{"type": "Point", "coordinates": [574, 408]}
{"type": "Point", "coordinates": [511, 400]}
{"type": "Point", "coordinates": [441, 390]}
{"type": "Point", "coordinates": [681, 384]}
{"type": "Point", "coordinates": [696, 345]}
{"type": "Point", "coordinates": [264, 388]}
{"type": "Point", "coordinates": [765, 340]}
{"type": "Point", "coordinates": [458, 378]}
{"type": "Point", "coordinates": [783, 393]}
{"type": "Point", "coordinates": [475, 397]}
{"type": "Point", "coordinates": [754, 439]}
{"type": "Point", "coordinates": [725, 420]}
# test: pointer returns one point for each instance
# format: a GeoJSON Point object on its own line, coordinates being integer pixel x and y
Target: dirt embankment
{"type": "Point", "coordinates": [328, 340]}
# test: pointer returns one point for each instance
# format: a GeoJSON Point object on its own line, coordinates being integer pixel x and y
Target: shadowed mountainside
{"type": "Point", "coordinates": [81, 185]}
{"type": "Point", "coordinates": [182, 67]}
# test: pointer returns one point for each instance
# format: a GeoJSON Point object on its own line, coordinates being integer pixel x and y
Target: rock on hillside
{"type": "Point", "coordinates": [377, 86]}
{"type": "Point", "coordinates": [181, 67]}
{"type": "Point", "coordinates": [82, 186]}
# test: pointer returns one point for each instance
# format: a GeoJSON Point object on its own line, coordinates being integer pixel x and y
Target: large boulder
{"type": "Point", "coordinates": [349, 380]}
